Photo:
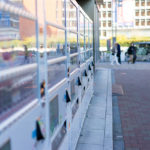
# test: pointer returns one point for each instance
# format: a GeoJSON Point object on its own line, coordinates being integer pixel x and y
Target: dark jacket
{"type": "Point", "coordinates": [118, 50]}
{"type": "Point", "coordinates": [132, 50]}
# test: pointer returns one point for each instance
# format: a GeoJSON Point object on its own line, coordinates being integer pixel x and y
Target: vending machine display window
{"type": "Point", "coordinates": [73, 92]}
{"type": "Point", "coordinates": [6, 146]}
{"type": "Point", "coordinates": [54, 113]}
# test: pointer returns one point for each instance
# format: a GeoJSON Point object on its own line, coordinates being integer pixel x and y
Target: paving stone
{"type": "Point", "coordinates": [96, 111]}
{"type": "Point", "coordinates": [92, 137]}
{"type": "Point", "coordinates": [108, 144]}
{"type": "Point", "coordinates": [94, 123]}
{"type": "Point", "coordinates": [89, 147]}
{"type": "Point", "coordinates": [108, 127]}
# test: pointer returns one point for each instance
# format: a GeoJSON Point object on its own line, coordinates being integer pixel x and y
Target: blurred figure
{"type": "Point", "coordinates": [114, 55]}
{"type": "Point", "coordinates": [118, 52]}
{"type": "Point", "coordinates": [26, 57]}
{"type": "Point", "coordinates": [132, 53]}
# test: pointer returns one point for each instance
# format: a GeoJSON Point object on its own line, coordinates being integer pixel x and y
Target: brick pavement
{"type": "Point", "coordinates": [134, 106]}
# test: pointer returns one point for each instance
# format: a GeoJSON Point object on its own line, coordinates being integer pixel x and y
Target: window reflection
{"type": "Point", "coordinates": [55, 42]}
{"type": "Point", "coordinates": [81, 43]}
{"type": "Point", "coordinates": [17, 40]}
{"type": "Point", "coordinates": [86, 33]}
{"type": "Point", "coordinates": [56, 72]}
{"type": "Point", "coordinates": [18, 54]}
{"type": "Point", "coordinates": [91, 35]}
{"type": "Point", "coordinates": [73, 42]}
{"type": "Point", "coordinates": [82, 57]}
{"type": "Point", "coordinates": [55, 11]}
{"type": "Point", "coordinates": [81, 23]}
{"type": "Point", "coordinates": [71, 16]}
{"type": "Point", "coordinates": [73, 63]}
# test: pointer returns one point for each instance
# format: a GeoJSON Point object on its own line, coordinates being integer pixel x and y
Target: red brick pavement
{"type": "Point", "coordinates": [134, 108]}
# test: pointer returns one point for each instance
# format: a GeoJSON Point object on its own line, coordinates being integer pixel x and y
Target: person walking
{"type": "Point", "coordinates": [132, 53]}
{"type": "Point", "coordinates": [118, 52]}
{"type": "Point", "coordinates": [114, 55]}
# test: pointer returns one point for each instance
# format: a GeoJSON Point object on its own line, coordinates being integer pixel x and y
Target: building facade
{"type": "Point", "coordinates": [129, 18]}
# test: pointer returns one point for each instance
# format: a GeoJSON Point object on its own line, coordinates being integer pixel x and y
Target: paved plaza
{"type": "Point", "coordinates": [133, 104]}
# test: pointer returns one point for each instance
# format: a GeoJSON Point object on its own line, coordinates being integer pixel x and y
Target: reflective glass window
{"type": "Point", "coordinates": [137, 12]}
{"type": "Point", "coordinates": [81, 23]}
{"type": "Point", "coordinates": [55, 42]}
{"type": "Point", "coordinates": [143, 22]}
{"type": "Point", "coordinates": [81, 43]}
{"type": "Point", "coordinates": [91, 34]}
{"type": "Point", "coordinates": [91, 53]}
{"type": "Point", "coordinates": [55, 11]}
{"type": "Point", "coordinates": [73, 42]}
{"type": "Point", "coordinates": [137, 3]}
{"type": "Point", "coordinates": [54, 114]}
{"type": "Point", "coordinates": [109, 14]}
{"type": "Point", "coordinates": [148, 22]}
{"type": "Point", "coordinates": [18, 54]}
{"type": "Point", "coordinates": [82, 57]}
{"type": "Point", "coordinates": [73, 63]}
{"type": "Point", "coordinates": [148, 12]}
{"type": "Point", "coordinates": [55, 49]}
{"type": "Point", "coordinates": [109, 4]}
{"type": "Point", "coordinates": [86, 34]}
{"type": "Point", "coordinates": [56, 72]}
{"type": "Point", "coordinates": [137, 22]}
{"type": "Point", "coordinates": [71, 16]}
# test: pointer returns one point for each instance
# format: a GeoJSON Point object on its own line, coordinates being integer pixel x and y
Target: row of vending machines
{"type": "Point", "coordinates": [54, 124]}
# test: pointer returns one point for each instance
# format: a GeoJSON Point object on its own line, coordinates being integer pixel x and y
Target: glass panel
{"type": "Point", "coordinates": [73, 90]}
{"type": "Point", "coordinates": [54, 113]}
{"type": "Point", "coordinates": [73, 43]}
{"type": "Point", "coordinates": [82, 57]}
{"type": "Point", "coordinates": [71, 16]}
{"type": "Point", "coordinates": [59, 137]}
{"type": "Point", "coordinates": [109, 4]}
{"type": "Point", "coordinates": [91, 35]}
{"type": "Point", "coordinates": [75, 108]}
{"type": "Point", "coordinates": [81, 43]}
{"type": "Point", "coordinates": [18, 68]}
{"type": "Point", "coordinates": [17, 41]}
{"type": "Point", "coordinates": [73, 63]}
{"type": "Point", "coordinates": [55, 42]}
{"type": "Point", "coordinates": [87, 55]}
{"type": "Point", "coordinates": [86, 27]}
{"type": "Point", "coordinates": [86, 33]}
{"type": "Point", "coordinates": [81, 23]}
{"type": "Point", "coordinates": [6, 146]}
{"type": "Point", "coordinates": [109, 14]}
{"type": "Point", "coordinates": [91, 53]}
{"type": "Point", "coordinates": [55, 11]}
{"type": "Point", "coordinates": [56, 72]}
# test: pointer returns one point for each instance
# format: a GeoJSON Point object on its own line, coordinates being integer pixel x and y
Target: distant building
{"type": "Point", "coordinates": [9, 26]}
{"type": "Point", "coordinates": [129, 17]}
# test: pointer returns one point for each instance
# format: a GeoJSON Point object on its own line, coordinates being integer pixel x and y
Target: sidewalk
{"type": "Point", "coordinates": [96, 133]}
{"type": "Point", "coordinates": [132, 127]}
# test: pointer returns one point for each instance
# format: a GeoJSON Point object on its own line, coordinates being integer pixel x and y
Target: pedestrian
{"type": "Point", "coordinates": [118, 52]}
{"type": "Point", "coordinates": [132, 53]}
{"type": "Point", "coordinates": [26, 57]}
{"type": "Point", "coordinates": [114, 55]}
